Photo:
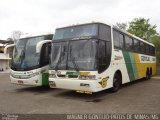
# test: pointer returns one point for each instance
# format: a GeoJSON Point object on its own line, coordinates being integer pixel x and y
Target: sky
{"type": "Point", "coordinates": [33, 16]}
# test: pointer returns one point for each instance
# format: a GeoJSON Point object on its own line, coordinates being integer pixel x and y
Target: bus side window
{"type": "Point", "coordinates": [136, 45]}
{"type": "Point", "coordinates": [121, 40]}
{"type": "Point", "coordinates": [153, 51]}
{"type": "Point", "coordinates": [104, 55]}
{"type": "Point", "coordinates": [128, 43]}
{"type": "Point", "coordinates": [150, 50]}
{"type": "Point", "coordinates": [142, 47]}
{"type": "Point", "coordinates": [45, 52]}
{"type": "Point", "coordinates": [147, 49]}
{"type": "Point", "coordinates": [118, 39]}
{"type": "Point", "coordinates": [105, 32]}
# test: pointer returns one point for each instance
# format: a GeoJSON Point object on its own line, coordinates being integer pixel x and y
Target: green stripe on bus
{"type": "Point", "coordinates": [134, 67]}
{"type": "Point", "coordinates": [45, 78]}
{"type": "Point", "coordinates": [128, 60]}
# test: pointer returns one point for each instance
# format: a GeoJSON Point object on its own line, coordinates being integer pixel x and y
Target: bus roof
{"type": "Point", "coordinates": [75, 25]}
{"type": "Point", "coordinates": [35, 35]}
{"type": "Point", "coordinates": [125, 32]}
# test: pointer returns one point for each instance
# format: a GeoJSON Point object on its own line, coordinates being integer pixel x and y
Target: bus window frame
{"type": "Point", "coordinates": [132, 49]}
{"type": "Point", "coordinates": [128, 48]}
{"type": "Point", "coordinates": [123, 45]}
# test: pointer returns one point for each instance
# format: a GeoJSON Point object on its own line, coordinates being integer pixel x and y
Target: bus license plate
{"type": "Point", "coordinates": [20, 82]}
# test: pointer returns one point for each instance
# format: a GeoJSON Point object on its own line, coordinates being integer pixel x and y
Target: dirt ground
{"type": "Point", "coordinates": [137, 97]}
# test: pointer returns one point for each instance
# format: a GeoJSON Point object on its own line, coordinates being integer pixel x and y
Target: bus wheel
{"type": "Point", "coordinates": [150, 73]}
{"type": "Point", "coordinates": [147, 75]}
{"type": "Point", "coordinates": [116, 82]}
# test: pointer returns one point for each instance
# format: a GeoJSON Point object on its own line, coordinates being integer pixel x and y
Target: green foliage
{"type": "Point", "coordinates": [122, 26]}
{"type": "Point", "coordinates": [142, 28]}
{"type": "Point", "coordinates": [156, 42]}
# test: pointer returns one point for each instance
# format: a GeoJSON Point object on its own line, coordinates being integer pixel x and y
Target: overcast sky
{"type": "Point", "coordinates": [31, 16]}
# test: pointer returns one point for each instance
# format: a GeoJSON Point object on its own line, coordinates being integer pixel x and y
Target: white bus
{"type": "Point", "coordinates": [94, 57]}
{"type": "Point", "coordinates": [30, 60]}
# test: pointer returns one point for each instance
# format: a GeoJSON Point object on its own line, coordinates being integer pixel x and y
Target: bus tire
{"type": "Point", "coordinates": [150, 73]}
{"type": "Point", "coordinates": [116, 82]}
{"type": "Point", "coordinates": [147, 74]}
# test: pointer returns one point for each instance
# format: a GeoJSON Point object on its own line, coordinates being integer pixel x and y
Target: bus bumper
{"type": "Point", "coordinates": [74, 84]}
{"type": "Point", "coordinates": [33, 81]}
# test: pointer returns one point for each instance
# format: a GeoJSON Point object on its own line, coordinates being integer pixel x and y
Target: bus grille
{"type": "Point", "coordinates": [72, 76]}
{"type": "Point", "coordinates": [68, 76]}
{"type": "Point", "coordinates": [61, 76]}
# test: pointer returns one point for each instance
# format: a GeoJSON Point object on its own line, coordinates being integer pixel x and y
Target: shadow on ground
{"type": "Point", "coordinates": [68, 94]}
{"type": "Point", "coordinates": [95, 97]}
{"type": "Point", "coordinates": [35, 90]}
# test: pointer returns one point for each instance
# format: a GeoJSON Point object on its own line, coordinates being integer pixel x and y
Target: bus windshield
{"type": "Point", "coordinates": [74, 55]}
{"type": "Point", "coordinates": [24, 54]}
{"type": "Point", "coordinates": [76, 31]}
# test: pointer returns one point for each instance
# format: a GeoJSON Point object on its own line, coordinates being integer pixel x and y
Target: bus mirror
{"type": "Point", "coordinates": [38, 47]}
{"type": "Point", "coordinates": [49, 58]}
{"type": "Point", "coordinates": [40, 44]}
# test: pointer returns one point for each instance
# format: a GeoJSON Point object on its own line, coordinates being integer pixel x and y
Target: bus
{"type": "Point", "coordinates": [93, 57]}
{"type": "Point", "coordinates": [30, 60]}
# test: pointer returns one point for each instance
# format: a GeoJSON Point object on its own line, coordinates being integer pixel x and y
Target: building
{"type": "Point", "coordinates": [6, 51]}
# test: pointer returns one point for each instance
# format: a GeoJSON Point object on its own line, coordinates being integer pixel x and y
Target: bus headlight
{"type": "Point", "coordinates": [37, 73]}
{"type": "Point", "coordinates": [33, 75]}
{"type": "Point", "coordinates": [52, 75]}
{"type": "Point", "coordinates": [87, 77]}
{"type": "Point", "coordinates": [25, 76]}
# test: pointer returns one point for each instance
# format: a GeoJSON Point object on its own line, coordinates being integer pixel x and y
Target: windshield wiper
{"type": "Point", "coordinates": [74, 63]}
{"type": "Point", "coordinates": [56, 67]}
{"type": "Point", "coordinates": [59, 59]}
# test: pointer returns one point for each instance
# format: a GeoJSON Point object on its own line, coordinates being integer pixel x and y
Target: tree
{"type": "Point", "coordinates": [142, 28]}
{"type": "Point", "coordinates": [156, 42]}
{"type": "Point", "coordinates": [122, 26]}
{"type": "Point", "coordinates": [16, 34]}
